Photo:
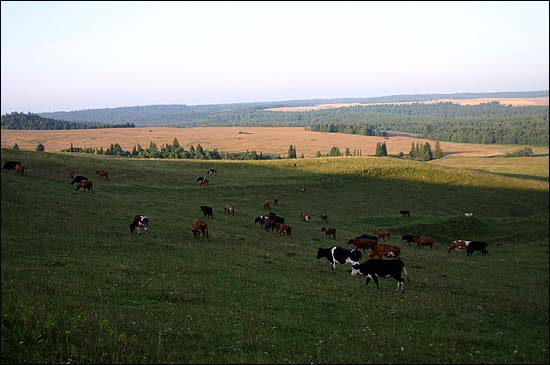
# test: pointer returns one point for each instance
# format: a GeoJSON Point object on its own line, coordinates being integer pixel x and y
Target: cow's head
{"type": "Point", "coordinates": [319, 253]}
{"type": "Point", "coordinates": [355, 269]}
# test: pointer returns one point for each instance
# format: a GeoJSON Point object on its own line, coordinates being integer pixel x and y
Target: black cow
{"type": "Point", "coordinates": [476, 246]}
{"type": "Point", "coordinates": [383, 268]}
{"type": "Point", "coordinates": [275, 217]}
{"type": "Point", "coordinates": [368, 236]}
{"type": "Point", "coordinates": [409, 238]}
{"type": "Point", "coordinates": [207, 211]}
{"type": "Point", "coordinates": [212, 171]}
{"type": "Point", "coordinates": [10, 165]}
{"type": "Point", "coordinates": [338, 255]}
{"type": "Point", "coordinates": [405, 213]}
{"type": "Point", "coordinates": [141, 222]}
{"type": "Point", "coordinates": [200, 179]}
{"type": "Point", "coordinates": [78, 179]}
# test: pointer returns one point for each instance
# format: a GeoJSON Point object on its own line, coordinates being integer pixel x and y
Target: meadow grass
{"type": "Point", "coordinates": [78, 287]}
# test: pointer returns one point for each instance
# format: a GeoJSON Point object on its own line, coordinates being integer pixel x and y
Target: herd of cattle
{"type": "Point", "coordinates": [384, 260]}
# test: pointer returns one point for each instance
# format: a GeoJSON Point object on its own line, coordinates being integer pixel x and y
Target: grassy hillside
{"type": "Point", "coordinates": [78, 287]}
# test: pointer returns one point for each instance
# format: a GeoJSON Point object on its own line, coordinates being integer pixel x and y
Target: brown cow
{"type": "Point", "coordinates": [284, 229]}
{"type": "Point", "coordinates": [203, 182]}
{"type": "Point", "coordinates": [424, 241]}
{"type": "Point", "coordinates": [305, 217]}
{"type": "Point", "coordinates": [381, 250]}
{"type": "Point", "coordinates": [457, 245]}
{"type": "Point", "coordinates": [363, 243]}
{"type": "Point", "coordinates": [267, 204]}
{"type": "Point", "coordinates": [72, 173]}
{"type": "Point", "coordinates": [329, 231]}
{"type": "Point", "coordinates": [85, 184]}
{"type": "Point", "coordinates": [382, 234]}
{"type": "Point", "coordinates": [102, 173]}
{"type": "Point", "coordinates": [275, 200]}
{"type": "Point", "coordinates": [199, 226]}
{"type": "Point", "coordinates": [229, 208]}
{"type": "Point", "coordinates": [270, 223]}
{"type": "Point", "coordinates": [20, 169]}
{"type": "Point", "coordinates": [324, 217]}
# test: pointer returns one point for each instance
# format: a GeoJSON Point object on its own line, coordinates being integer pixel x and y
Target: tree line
{"type": "Point", "coordinates": [32, 121]}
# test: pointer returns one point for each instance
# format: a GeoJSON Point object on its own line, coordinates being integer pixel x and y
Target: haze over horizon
{"type": "Point", "coordinates": [63, 56]}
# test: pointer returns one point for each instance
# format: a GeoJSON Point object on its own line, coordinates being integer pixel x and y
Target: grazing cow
{"type": "Point", "coordinates": [338, 255]}
{"type": "Point", "coordinates": [329, 231]}
{"type": "Point", "coordinates": [382, 234]}
{"type": "Point", "coordinates": [284, 229]}
{"type": "Point", "coordinates": [409, 238]}
{"type": "Point", "coordinates": [72, 173]}
{"type": "Point", "coordinates": [20, 169]}
{"type": "Point", "coordinates": [212, 171]}
{"type": "Point", "coordinates": [85, 184]}
{"type": "Point", "coordinates": [370, 237]}
{"type": "Point", "coordinates": [229, 208]}
{"type": "Point", "coordinates": [458, 245]}
{"type": "Point", "coordinates": [267, 204]}
{"type": "Point", "coordinates": [10, 165]}
{"type": "Point", "coordinates": [140, 223]}
{"type": "Point", "coordinates": [200, 178]}
{"type": "Point", "coordinates": [204, 182]}
{"type": "Point", "coordinates": [207, 211]}
{"type": "Point", "coordinates": [372, 269]}
{"type": "Point", "coordinates": [275, 200]}
{"type": "Point", "coordinates": [78, 179]}
{"type": "Point", "coordinates": [102, 173]}
{"type": "Point", "coordinates": [260, 219]}
{"type": "Point", "coordinates": [270, 223]}
{"type": "Point", "coordinates": [382, 250]}
{"type": "Point", "coordinates": [424, 241]}
{"type": "Point", "coordinates": [275, 217]}
{"type": "Point", "coordinates": [324, 217]}
{"type": "Point", "coordinates": [404, 213]}
{"type": "Point", "coordinates": [302, 189]}
{"type": "Point", "coordinates": [305, 217]}
{"type": "Point", "coordinates": [476, 246]}
{"type": "Point", "coordinates": [362, 243]}
{"type": "Point", "coordinates": [199, 226]}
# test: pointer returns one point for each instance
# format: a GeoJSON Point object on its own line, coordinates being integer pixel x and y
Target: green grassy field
{"type": "Point", "coordinates": [77, 287]}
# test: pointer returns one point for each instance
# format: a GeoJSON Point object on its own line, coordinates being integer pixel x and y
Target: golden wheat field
{"type": "Point", "coordinates": [504, 101]}
{"type": "Point", "coordinates": [268, 140]}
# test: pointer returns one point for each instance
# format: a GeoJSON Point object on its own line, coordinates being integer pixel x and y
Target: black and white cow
{"type": "Point", "coordinates": [10, 165]}
{"type": "Point", "coordinates": [338, 255]}
{"type": "Point", "coordinates": [140, 223]}
{"type": "Point", "coordinates": [212, 171]}
{"type": "Point", "coordinates": [200, 179]}
{"type": "Point", "coordinates": [207, 211]}
{"type": "Point", "coordinates": [260, 219]}
{"type": "Point", "coordinates": [383, 268]}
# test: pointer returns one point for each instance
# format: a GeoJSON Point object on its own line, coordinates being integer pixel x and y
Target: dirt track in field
{"type": "Point", "coordinates": [269, 141]}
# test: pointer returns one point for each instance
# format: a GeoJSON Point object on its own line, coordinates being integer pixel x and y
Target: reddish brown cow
{"type": "Point", "coordinates": [382, 250]}
{"type": "Point", "coordinates": [267, 204]}
{"type": "Point", "coordinates": [362, 243]}
{"type": "Point", "coordinates": [203, 182]}
{"type": "Point", "coordinates": [329, 231]}
{"type": "Point", "coordinates": [72, 173]}
{"type": "Point", "coordinates": [85, 184]}
{"type": "Point", "coordinates": [457, 245]}
{"type": "Point", "coordinates": [324, 217]}
{"type": "Point", "coordinates": [20, 169]}
{"type": "Point", "coordinates": [102, 173]}
{"type": "Point", "coordinates": [284, 229]}
{"type": "Point", "coordinates": [382, 234]}
{"type": "Point", "coordinates": [199, 226]}
{"type": "Point", "coordinates": [229, 208]}
{"type": "Point", "coordinates": [270, 223]}
{"type": "Point", "coordinates": [424, 241]}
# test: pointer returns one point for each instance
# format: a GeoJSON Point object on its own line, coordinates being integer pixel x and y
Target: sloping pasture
{"type": "Point", "coordinates": [78, 287]}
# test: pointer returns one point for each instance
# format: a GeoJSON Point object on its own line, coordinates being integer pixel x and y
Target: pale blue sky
{"type": "Point", "coordinates": [85, 55]}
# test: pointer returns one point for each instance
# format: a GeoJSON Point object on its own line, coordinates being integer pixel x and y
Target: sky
{"type": "Point", "coordinates": [62, 56]}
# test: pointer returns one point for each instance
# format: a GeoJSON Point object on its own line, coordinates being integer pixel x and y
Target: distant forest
{"type": "Point", "coordinates": [486, 123]}
{"type": "Point", "coordinates": [17, 120]}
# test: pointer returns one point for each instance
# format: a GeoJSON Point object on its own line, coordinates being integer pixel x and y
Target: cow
{"type": "Point", "coordinates": [102, 173]}
{"type": "Point", "coordinates": [458, 245]}
{"type": "Point", "coordinates": [212, 171]}
{"type": "Point", "coordinates": [267, 204]}
{"type": "Point", "coordinates": [405, 213]}
{"type": "Point", "coordinates": [382, 234]}
{"type": "Point", "coordinates": [424, 241]}
{"type": "Point", "coordinates": [305, 217]}
{"type": "Point", "coordinates": [362, 243]}
{"type": "Point", "coordinates": [270, 223]}
{"type": "Point", "coordinates": [260, 219]}
{"type": "Point", "coordinates": [302, 189]}
{"type": "Point", "coordinates": [10, 165]}
{"type": "Point", "coordinates": [275, 200]}
{"type": "Point", "coordinates": [370, 237]}
{"type": "Point", "coordinates": [199, 179]}
{"type": "Point", "coordinates": [20, 169]}
{"type": "Point", "coordinates": [324, 217]}
{"type": "Point", "coordinates": [468, 214]}
{"type": "Point", "coordinates": [229, 208]}
{"type": "Point", "coordinates": [372, 269]}
{"type": "Point", "coordinates": [329, 231]}
{"type": "Point", "coordinates": [275, 217]}
{"type": "Point", "coordinates": [199, 226]}
{"type": "Point", "coordinates": [338, 255]}
{"type": "Point", "coordinates": [204, 182]}
{"type": "Point", "coordinates": [409, 238]}
{"type": "Point", "coordinates": [85, 184]}
{"type": "Point", "coordinates": [382, 250]}
{"type": "Point", "coordinates": [140, 223]}
{"type": "Point", "coordinates": [78, 179]}
{"type": "Point", "coordinates": [476, 246]}
{"type": "Point", "coordinates": [207, 211]}
{"type": "Point", "coordinates": [72, 173]}
{"type": "Point", "coordinates": [284, 229]}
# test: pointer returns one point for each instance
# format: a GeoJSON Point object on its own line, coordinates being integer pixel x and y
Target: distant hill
{"type": "Point", "coordinates": [32, 121]}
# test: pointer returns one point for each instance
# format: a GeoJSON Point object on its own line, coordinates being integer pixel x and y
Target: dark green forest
{"type": "Point", "coordinates": [17, 120]}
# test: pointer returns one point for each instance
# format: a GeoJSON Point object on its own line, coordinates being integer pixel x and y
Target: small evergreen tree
{"type": "Point", "coordinates": [347, 153]}
{"type": "Point", "coordinates": [378, 147]}
{"type": "Point", "coordinates": [437, 151]}
{"type": "Point", "coordinates": [318, 154]}
{"type": "Point", "coordinates": [383, 149]}
{"type": "Point", "coordinates": [40, 148]}
{"type": "Point", "coordinates": [427, 152]}
{"type": "Point", "coordinates": [16, 147]}
{"type": "Point", "coordinates": [412, 151]}
{"type": "Point", "coordinates": [292, 152]}
{"type": "Point", "coordinates": [334, 151]}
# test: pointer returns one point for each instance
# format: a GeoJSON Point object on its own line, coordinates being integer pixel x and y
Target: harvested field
{"type": "Point", "coordinates": [269, 141]}
{"type": "Point", "coordinates": [505, 101]}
